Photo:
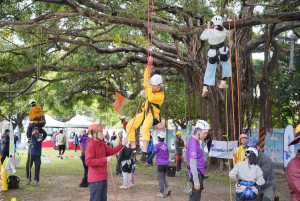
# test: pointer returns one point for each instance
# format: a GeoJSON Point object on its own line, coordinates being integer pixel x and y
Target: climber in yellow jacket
{"type": "Point", "coordinates": [37, 117]}
{"type": "Point", "coordinates": [150, 114]}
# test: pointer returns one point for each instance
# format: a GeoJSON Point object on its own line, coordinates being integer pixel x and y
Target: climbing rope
{"type": "Point", "coordinates": [237, 69]}
{"type": "Point", "coordinates": [38, 64]}
{"type": "Point", "coordinates": [149, 53]}
{"type": "Point", "coordinates": [232, 88]}
{"type": "Point", "coordinates": [227, 137]}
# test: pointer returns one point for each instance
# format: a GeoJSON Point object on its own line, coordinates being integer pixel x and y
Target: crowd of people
{"type": "Point", "coordinates": [252, 171]}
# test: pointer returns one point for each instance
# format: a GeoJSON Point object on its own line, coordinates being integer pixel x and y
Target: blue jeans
{"type": "Point", "coordinates": [37, 164]}
{"type": "Point", "coordinates": [98, 191]}
{"type": "Point", "coordinates": [210, 73]}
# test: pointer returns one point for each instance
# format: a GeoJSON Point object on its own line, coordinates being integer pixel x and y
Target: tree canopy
{"type": "Point", "coordinates": [62, 51]}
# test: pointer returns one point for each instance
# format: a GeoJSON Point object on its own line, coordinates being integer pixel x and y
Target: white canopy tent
{"type": "Point", "coordinates": [79, 121]}
{"type": "Point", "coordinates": [52, 123]}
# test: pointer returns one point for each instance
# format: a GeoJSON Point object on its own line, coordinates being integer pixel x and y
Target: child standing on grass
{"type": "Point", "coordinates": [126, 166]}
{"type": "Point", "coordinates": [162, 163]}
{"type": "Point", "coordinates": [97, 155]}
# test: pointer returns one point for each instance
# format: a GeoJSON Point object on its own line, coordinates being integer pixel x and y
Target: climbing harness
{"type": "Point", "coordinates": [248, 190]}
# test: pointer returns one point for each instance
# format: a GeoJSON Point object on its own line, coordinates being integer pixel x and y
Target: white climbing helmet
{"type": "Point", "coordinates": [251, 150]}
{"type": "Point", "coordinates": [161, 134]}
{"type": "Point", "coordinates": [217, 20]}
{"type": "Point", "coordinates": [203, 125]}
{"type": "Point", "coordinates": [123, 117]}
{"type": "Point", "coordinates": [156, 79]}
{"type": "Point", "coordinates": [32, 101]}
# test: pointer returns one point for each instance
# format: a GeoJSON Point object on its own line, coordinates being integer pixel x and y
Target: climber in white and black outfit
{"type": "Point", "coordinates": [217, 52]}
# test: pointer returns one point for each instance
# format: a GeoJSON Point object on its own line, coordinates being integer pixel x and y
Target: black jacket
{"type": "Point", "coordinates": [124, 154]}
{"type": "Point", "coordinates": [5, 144]}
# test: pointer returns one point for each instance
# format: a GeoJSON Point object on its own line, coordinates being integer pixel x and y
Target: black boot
{"type": "Point", "coordinates": [145, 156]}
{"type": "Point", "coordinates": [84, 182]}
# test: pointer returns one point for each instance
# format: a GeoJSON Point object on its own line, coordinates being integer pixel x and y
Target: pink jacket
{"type": "Point", "coordinates": [292, 175]}
{"type": "Point", "coordinates": [95, 158]}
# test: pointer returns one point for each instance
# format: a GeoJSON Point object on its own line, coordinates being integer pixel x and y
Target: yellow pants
{"type": "Point", "coordinates": [135, 123]}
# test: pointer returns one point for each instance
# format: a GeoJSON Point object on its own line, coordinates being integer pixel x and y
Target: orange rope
{"type": "Point", "coordinates": [237, 79]}
{"type": "Point", "coordinates": [232, 100]}
{"type": "Point", "coordinates": [237, 71]}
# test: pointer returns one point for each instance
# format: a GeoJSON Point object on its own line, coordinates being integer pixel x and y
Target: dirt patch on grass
{"type": "Point", "coordinates": [65, 188]}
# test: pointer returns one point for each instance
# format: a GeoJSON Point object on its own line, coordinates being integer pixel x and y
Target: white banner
{"type": "Point", "coordinates": [219, 149]}
{"type": "Point", "coordinates": [288, 151]}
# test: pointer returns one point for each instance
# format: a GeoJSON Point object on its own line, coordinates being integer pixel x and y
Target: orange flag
{"type": "Point", "coordinates": [119, 103]}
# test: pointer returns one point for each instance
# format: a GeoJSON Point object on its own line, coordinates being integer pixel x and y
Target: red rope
{"type": "Point", "coordinates": [114, 184]}
{"type": "Point", "coordinates": [150, 31]}
{"type": "Point", "coordinates": [149, 53]}
{"type": "Point", "coordinates": [151, 28]}
{"type": "Point", "coordinates": [107, 98]}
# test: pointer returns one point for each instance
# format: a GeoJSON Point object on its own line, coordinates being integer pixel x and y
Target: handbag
{"type": "Point", "coordinates": [13, 182]}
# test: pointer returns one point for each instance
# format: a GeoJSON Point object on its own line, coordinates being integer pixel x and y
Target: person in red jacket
{"type": "Point", "coordinates": [97, 155]}
{"type": "Point", "coordinates": [292, 172]}
{"type": "Point", "coordinates": [124, 122]}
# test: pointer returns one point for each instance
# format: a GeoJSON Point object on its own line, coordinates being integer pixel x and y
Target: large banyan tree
{"type": "Point", "coordinates": [75, 44]}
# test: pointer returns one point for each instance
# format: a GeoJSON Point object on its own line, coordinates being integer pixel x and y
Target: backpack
{"type": "Point", "coordinates": [13, 182]}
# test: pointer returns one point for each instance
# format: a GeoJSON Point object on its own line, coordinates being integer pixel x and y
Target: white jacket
{"type": "Point", "coordinates": [61, 139]}
{"type": "Point", "coordinates": [214, 37]}
{"type": "Point", "coordinates": [244, 171]}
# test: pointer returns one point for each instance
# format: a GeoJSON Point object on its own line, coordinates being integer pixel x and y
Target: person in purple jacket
{"type": "Point", "coordinates": [195, 159]}
{"type": "Point", "coordinates": [83, 139]}
{"type": "Point", "coordinates": [162, 163]}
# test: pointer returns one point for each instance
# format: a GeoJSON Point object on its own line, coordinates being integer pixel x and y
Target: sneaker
{"type": "Point", "coordinates": [168, 191]}
{"type": "Point", "coordinates": [204, 91]}
{"type": "Point", "coordinates": [36, 183]}
{"type": "Point", "coordinates": [144, 157]}
{"type": "Point", "coordinates": [223, 85]}
{"type": "Point", "coordinates": [131, 184]}
{"type": "Point", "coordinates": [123, 187]}
{"type": "Point", "coordinates": [160, 195]}
{"type": "Point", "coordinates": [28, 182]}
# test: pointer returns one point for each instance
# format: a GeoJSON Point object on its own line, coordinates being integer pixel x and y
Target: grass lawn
{"type": "Point", "coordinates": [59, 180]}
